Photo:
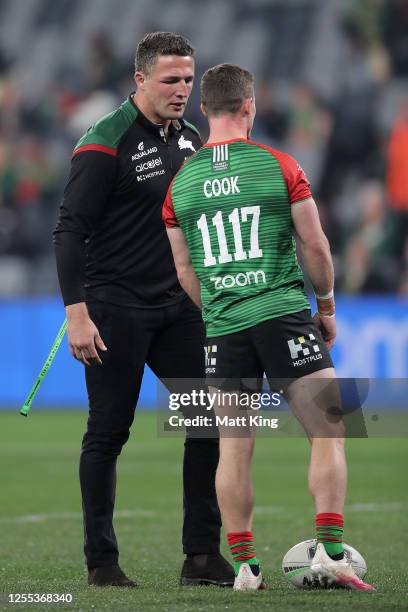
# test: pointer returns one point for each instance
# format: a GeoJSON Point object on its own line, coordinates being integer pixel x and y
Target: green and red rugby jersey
{"type": "Point", "coordinates": [110, 241]}
{"type": "Point", "coordinates": [233, 201]}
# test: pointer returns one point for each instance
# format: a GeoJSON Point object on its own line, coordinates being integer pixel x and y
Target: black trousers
{"type": "Point", "coordinates": [170, 340]}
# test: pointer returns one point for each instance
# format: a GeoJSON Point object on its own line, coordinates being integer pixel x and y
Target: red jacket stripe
{"type": "Point", "coordinates": [96, 147]}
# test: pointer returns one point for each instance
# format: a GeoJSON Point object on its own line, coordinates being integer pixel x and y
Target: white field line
{"type": "Point", "coordinates": [75, 516]}
{"type": "Point", "coordinates": [151, 513]}
{"type": "Point", "coordinates": [362, 507]}
{"type": "Point", "coordinates": [373, 507]}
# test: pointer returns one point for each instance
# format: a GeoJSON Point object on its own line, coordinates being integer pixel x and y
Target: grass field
{"type": "Point", "coordinates": [41, 530]}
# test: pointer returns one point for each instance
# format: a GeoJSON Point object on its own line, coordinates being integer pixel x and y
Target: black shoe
{"type": "Point", "coordinates": [207, 569]}
{"type": "Point", "coordinates": [109, 575]}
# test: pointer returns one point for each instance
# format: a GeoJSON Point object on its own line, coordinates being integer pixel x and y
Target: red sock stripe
{"type": "Point", "coordinates": [236, 537]}
{"type": "Point", "coordinates": [327, 519]}
{"type": "Point", "coordinates": [237, 549]}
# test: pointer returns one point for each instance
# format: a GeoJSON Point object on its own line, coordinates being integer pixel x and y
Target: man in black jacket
{"type": "Point", "coordinates": [124, 305]}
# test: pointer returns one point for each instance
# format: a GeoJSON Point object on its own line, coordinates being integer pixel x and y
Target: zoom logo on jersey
{"type": "Point", "coordinates": [302, 348]}
{"type": "Point", "coordinates": [149, 165]}
{"type": "Point", "coordinates": [142, 152]}
{"type": "Point", "coordinates": [226, 186]}
{"type": "Point", "coordinates": [240, 280]}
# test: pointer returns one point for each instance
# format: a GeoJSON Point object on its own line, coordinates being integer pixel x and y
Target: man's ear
{"type": "Point", "coordinates": [202, 108]}
{"type": "Point", "coordinates": [247, 106]}
{"type": "Point", "coordinates": [140, 79]}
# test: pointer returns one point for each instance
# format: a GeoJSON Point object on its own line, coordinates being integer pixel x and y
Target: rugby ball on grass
{"type": "Point", "coordinates": [296, 564]}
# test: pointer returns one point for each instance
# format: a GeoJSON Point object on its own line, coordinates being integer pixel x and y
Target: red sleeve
{"type": "Point", "coordinates": [169, 216]}
{"type": "Point", "coordinates": [296, 180]}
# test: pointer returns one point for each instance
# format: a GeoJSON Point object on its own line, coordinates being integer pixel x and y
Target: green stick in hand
{"type": "Point", "coordinates": [29, 400]}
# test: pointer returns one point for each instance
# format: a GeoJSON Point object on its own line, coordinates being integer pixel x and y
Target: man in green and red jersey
{"type": "Point", "coordinates": [230, 213]}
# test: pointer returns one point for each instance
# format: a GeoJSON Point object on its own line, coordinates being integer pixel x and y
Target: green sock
{"type": "Point", "coordinates": [242, 549]}
{"type": "Point", "coordinates": [329, 531]}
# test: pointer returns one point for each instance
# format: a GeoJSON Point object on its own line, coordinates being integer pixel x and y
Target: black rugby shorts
{"type": "Point", "coordinates": [284, 348]}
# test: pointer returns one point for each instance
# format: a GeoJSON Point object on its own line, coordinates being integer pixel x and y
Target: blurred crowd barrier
{"type": "Point", "coordinates": [372, 343]}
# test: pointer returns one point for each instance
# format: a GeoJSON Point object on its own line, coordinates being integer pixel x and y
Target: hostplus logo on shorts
{"type": "Point", "coordinates": [210, 358]}
{"type": "Point", "coordinates": [301, 350]}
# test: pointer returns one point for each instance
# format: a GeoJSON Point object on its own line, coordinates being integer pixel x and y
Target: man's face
{"type": "Point", "coordinates": [167, 87]}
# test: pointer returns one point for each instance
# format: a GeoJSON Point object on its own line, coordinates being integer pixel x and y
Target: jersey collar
{"type": "Point", "coordinates": [222, 142]}
{"type": "Point", "coordinates": [175, 126]}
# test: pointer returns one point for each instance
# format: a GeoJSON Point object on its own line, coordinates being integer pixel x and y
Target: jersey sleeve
{"type": "Point", "coordinates": [89, 187]}
{"type": "Point", "coordinates": [86, 195]}
{"type": "Point", "coordinates": [169, 216]}
{"type": "Point", "coordinates": [296, 180]}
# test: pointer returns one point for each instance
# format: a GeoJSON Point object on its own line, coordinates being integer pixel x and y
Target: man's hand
{"type": "Point", "coordinates": [327, 326]}
{"type": "Point", "coordinates": [83, 335]}
{"type": "Point", "coordinates": [182, 260]}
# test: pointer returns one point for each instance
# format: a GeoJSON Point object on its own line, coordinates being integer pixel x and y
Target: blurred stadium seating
{"type": "Point", "coordinates": [332, 89]}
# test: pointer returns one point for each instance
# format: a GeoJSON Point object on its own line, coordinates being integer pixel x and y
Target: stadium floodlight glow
{"type": "Point", "coordinates": [30, 397]}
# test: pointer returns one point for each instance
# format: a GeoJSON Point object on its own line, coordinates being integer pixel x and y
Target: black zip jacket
{"type": "Point", "coordinates": [110, 240]}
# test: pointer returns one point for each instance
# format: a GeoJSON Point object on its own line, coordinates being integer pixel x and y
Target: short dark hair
{"type": "Point", "coordinates": [160, 43]}
{"type": "Point", "coordinates": [224, 88]}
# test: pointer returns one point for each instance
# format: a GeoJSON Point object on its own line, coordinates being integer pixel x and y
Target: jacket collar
{"type": "Point", "coordinates": [157, 129]}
